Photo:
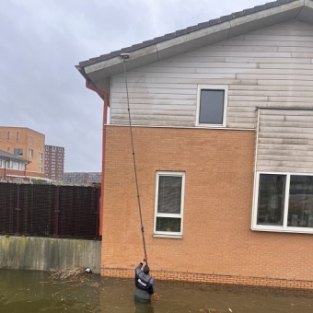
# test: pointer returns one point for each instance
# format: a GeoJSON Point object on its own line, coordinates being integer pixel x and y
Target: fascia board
{"type": "Point", "coordinates": [148, 52]}
{"type": "Point", "coordinates": [265, 18]}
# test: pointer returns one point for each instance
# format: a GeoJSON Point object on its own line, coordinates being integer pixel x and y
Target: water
{"type": "Point", "coordinates": [32, 292]}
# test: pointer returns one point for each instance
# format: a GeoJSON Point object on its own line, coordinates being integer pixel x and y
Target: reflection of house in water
{"type": "Point", "coordinates": [224, 108]}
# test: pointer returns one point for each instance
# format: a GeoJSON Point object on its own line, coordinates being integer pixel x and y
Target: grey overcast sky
{"type": "Point", "coordinates": [42, 40]}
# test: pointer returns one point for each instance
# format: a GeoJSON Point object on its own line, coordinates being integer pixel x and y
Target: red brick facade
{"type": "Point", "coordinates": [25, 139]}
{"type": "Point", "coordinates": [217, 243]}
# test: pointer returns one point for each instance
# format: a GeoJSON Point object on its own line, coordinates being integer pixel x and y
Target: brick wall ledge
{"type": "Point", "coordinates": [214, 278]}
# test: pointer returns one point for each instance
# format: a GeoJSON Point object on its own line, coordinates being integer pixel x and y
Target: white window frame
{"type": "Point", "coordinates": [181, 215]}
{"type": "Point", "coordinates": [212, 87]}
{"type": "Point", "coordinates": [276, 228]}
{"type": "Point", "coordinates": [30, 153]}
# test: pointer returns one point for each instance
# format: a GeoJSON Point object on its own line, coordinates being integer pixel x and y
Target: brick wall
{"type": "Point", "coordinates": [217, 243]}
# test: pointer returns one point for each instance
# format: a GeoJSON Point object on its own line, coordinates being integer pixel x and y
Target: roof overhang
{"type": "Point", "coordinates": [99, 72]}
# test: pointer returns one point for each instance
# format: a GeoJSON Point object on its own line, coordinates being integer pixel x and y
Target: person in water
{"type": "Point", "coordinates": [144, 284]}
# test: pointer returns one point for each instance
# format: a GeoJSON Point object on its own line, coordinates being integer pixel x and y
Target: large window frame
{"type": "Point", "coordinates": [277, 228]}
{"type": "Point", "coordinates": [201, 88]}
{"type": "Point", "coordinates": [168, 234]}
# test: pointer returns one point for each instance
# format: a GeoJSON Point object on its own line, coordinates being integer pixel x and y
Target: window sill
{"type": "Point", "coordinates": [168, 236]}
{"type": "Point", "coordinates": [215, 126]}
{"type": "Point", "coordinates": [294, 230]}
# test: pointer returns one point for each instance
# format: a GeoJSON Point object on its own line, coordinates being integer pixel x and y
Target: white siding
{"type": "Point", "coordinates": [271, 67]}
{"type": "Point", "coordinates": [285, 141]}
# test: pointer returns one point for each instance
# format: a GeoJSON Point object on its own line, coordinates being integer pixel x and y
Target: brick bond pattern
{"type": "Point", "coordinates": [215, 279]}
{"type": "Point", "coordinates": [217, 244]}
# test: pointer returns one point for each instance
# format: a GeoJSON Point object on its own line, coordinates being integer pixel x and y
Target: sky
{"type": "Point", "coordinates": [41, 41]}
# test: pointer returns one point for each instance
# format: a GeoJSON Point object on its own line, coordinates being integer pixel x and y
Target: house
{"type": "Point", "coordinates": [222, 121]}
{"type": "Point", "coordinates": [12, 167]}
{"type": "Point", "coordinates": [26, 143]}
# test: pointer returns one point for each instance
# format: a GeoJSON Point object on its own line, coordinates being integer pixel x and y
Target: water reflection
{"type": "Point", "coordinates": [143, 308]}
{"type": "Point", "coordinates": [32, 292]}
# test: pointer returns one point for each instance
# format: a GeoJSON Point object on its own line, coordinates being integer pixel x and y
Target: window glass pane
{"type": "Point", "coordinates": [18, 151]}
{"type": "Point", "coordinates": [271, 199]}
{"type": "Point", "coordinates": [168, 224]}
{"type": "Point", "coordinates": [211, 107]}
{"type": "Point", "coordinates": [300, 209]}
{"type": "Point", "coordinates": [169, 199]}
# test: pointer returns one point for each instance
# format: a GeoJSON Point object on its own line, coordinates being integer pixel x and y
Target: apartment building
{"type": "Point", "coordinates": [26, 143]}
{"type": "Point", "coordinates": [54, 162]}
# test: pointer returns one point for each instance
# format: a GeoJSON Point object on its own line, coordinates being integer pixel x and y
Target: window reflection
{"type": "Point", "coordinates": [271, 199]}
{"type": "Point", "coordinates": [300, 213]}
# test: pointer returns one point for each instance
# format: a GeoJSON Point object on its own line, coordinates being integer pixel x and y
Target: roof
{"type": "Point", "coordinates": [98, 69]}
{"type": "Point", "coordinates": [20, 128]}
{"type": "Point", "coordinates": [9, 156]}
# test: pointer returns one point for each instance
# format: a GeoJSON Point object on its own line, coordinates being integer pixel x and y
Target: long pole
{"type": "Point", "coordinates": [126, 56]}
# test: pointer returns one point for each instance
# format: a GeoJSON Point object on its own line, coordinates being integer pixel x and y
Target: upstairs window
{"type": "Point", "coordinates": [18, 151]}
{"type": "Point", "coordinates": [284, 202]}
{"type": "Point", "coordinates": [9, 136]}
{"type": "Point", "coordinates": [30, 153]}
{"type": "Point", "coordinates": [0, 135]}
{"type": "Point", "coordinates": [18, 137]}
{"type": "Point", "coordinates": [211, 106]}
{"type": "Point", "coordinates": [169, 204]}
{"type": "Point", "coordinates": [40, 155]}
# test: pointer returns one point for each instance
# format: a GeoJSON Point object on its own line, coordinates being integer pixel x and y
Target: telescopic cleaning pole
{"type": "Point", "coordinates": [125, 56]}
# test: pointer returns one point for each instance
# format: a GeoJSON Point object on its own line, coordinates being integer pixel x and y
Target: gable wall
{"type": "Point", "coordinates": [270, 67]}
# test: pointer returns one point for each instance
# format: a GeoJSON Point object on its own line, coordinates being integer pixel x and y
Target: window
{"type": "Point", "coordinates": [169, 204]}
{"type": "Point", "coordinates": [18, 151]}
{"type": "Point", "coordinates": [18, 137]}
{"type": "Point", "coordinates": [40, 157]}
{"type": "Point", "coordinates": [30, 153]}
{"type": "Point", "coordinates": [211, 106]}
{"type": "Point", "coordinates": [0, 135]}
{"type": "Point", "coordinates": [40, 169]}
{"type": "Point", "coordinates": [283, 202]}
{"type": "Point", "coordinates": [8, 149]}
{"type": "Point", "coordinates": [9, 136]}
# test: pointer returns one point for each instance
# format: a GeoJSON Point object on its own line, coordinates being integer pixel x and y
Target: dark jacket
{"type": "Point", "coordinates": [144, 281]}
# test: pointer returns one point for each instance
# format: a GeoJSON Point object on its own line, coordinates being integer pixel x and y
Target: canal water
{"type": "Point", "coordinates": [34, 291]}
